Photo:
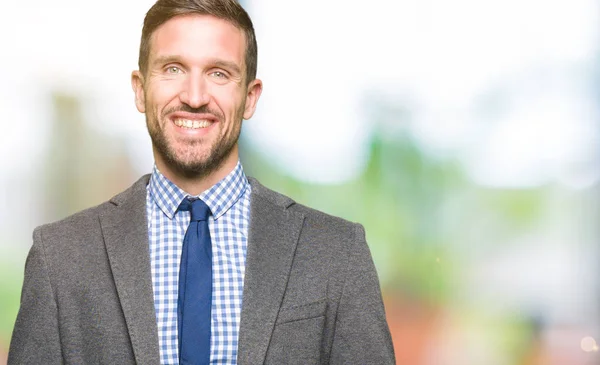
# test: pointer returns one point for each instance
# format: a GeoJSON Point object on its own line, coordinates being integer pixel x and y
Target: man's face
{"type": "Point", "coordinates": [195, 94]}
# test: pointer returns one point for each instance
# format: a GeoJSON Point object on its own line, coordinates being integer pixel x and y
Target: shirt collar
{"type": "Point", "coordinates": [219, 198]}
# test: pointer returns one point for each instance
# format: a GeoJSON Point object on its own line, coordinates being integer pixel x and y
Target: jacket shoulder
{"type": "Point", "coordinates": [313, 218]}
{"type": "Point", "coordinates": [84, 224]}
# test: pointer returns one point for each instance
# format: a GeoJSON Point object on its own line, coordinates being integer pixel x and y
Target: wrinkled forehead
{"type": "Point", "coordinates": [196, 35]}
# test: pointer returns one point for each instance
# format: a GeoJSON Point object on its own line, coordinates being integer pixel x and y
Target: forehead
{"type": "Point", "coordinates": [198, 37]}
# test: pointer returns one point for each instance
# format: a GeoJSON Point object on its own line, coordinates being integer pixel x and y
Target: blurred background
{"type": "Point", "coordinates": [464, 136]}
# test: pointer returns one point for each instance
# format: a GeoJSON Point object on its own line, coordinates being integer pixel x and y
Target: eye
{"type": "Point", "coordinates": [173, 70]}
{"type": "Point", "coordinates": [219, 74]}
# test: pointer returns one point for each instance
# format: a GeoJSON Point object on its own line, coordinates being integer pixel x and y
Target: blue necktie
{"type": "Point", "coordinates": [194, 300]}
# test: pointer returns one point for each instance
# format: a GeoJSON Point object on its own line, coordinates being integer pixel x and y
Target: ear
{"type": "Point", "coordinates": [137, 84]}
{"type": "Point", "coordinates": [254, 91]}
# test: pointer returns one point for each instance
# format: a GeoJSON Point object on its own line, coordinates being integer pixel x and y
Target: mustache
{"type": "Point", "coordinates": [204, 109]}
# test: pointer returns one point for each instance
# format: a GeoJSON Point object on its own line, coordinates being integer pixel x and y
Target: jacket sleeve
{"type": "Point", "coordinates": [361, 333]}
{"type": "Point", "coordinates": [35, 338]}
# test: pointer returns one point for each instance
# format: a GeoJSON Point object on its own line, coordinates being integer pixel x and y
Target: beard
{"type": "Point", "coordinates": [186, 159]}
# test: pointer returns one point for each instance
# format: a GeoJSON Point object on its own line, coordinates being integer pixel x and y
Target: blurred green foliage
{"type": "Point", "coordinates": [11, 280]}
{"type": "Point", "coordinates": [398, 199]}
{"type": "Point", "coordinates": [419, 212]}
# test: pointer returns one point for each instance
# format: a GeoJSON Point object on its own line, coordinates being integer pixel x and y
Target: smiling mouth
{"type": "Point", "coordinates": [192, 124]}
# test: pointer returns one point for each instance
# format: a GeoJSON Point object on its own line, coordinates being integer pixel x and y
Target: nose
{"type": "Point", "coordinates": [194, 92]}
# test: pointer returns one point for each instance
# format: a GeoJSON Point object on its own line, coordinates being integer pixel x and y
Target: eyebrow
{"type": "Point", "coordinates": [163, 60]}
{"type": "Point", "coordinates": [227, 65]}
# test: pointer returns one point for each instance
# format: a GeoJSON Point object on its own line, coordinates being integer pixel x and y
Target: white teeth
{"type": "Point", "coordinates": [192, 124]}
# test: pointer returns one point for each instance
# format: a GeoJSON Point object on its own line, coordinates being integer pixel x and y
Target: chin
{"type": "Point", "coordinates": [196, 168]}
{"type": "Point", "coordinates": [193, 161]}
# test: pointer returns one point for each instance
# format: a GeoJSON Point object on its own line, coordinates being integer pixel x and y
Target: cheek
{"type": "Point", "coordinates": [162, 93]}
{"type": "Point", "coordinates": [230, 101]}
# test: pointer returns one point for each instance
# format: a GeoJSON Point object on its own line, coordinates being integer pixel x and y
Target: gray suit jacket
{"type": "Point", "coordinates": [311, 293]}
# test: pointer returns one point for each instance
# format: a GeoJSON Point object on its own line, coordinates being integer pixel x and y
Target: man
{"type": "Point", "coordinates": [195, 262]}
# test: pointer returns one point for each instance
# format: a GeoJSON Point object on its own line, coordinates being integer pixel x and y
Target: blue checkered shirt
{"type": "Point", "coordinates": [229, 202]}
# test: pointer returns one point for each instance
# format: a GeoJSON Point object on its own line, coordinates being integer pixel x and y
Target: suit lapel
{"type": "Point", "coordinates": [125, 231]}
{"type": "Point", "coordinates": [273, 235]}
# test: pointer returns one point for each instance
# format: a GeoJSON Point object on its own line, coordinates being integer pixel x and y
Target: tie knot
{"type": "Point", "coordinates": [199, 210]}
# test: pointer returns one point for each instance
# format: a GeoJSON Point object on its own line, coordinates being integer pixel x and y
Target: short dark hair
{"type": "Point", "coordinates": [229, 10]}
